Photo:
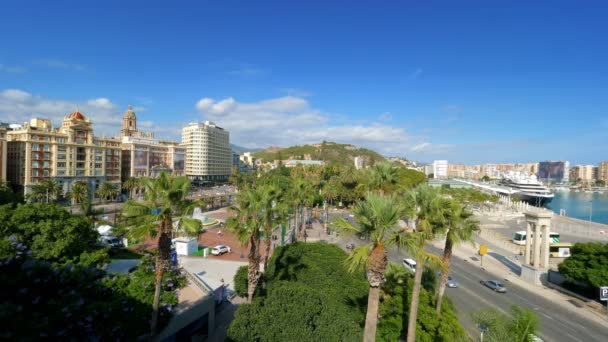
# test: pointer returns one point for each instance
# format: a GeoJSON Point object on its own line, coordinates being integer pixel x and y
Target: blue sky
{"type": "Point", "coordinates": [471, 82]}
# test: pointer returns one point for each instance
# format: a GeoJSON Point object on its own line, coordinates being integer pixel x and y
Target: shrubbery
{"type": "Point", "coordinates": [309, 296]}
{"type": "Point", "coordinates": [588, 264]}
{"type": "Point", "coordinates": [395, 302]}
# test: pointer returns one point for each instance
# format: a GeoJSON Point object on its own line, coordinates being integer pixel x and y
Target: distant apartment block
{"type": "Point", "coordinates": [3, 149]}
{"type": "Point", "coordinates": [145, 156]}
{"type": "Point", "coordinates": [554, 171]}
{"type": "Point", "coordinates": [583, 173]}
{"type": "Point", "coordinates": [440, 169]}
{"type": "Point", "coordinates": [602, 171]}
{"type": "Point", "coordinates": [208, 152]}
{"type": "Point", "coordinates": [37, 151]}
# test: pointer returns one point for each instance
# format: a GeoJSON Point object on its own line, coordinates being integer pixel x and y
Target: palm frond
{"type": "Point", "coordinates": [357, 260]}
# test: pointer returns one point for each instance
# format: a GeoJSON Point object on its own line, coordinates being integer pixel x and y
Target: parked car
{"type": "Point", "coordinates": [410, 264]}
{"type": "Point", "coordinates": [220, 249]}
{"type": "Point", "coordinates": [111, 241]}
{"type": "Point", "coordinates": [494, 285]}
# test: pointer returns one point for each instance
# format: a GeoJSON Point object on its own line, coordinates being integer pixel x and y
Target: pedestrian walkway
{"type": "Point", "coordinates": [507, 269]}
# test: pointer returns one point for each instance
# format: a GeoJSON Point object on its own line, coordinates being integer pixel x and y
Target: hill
{"type": "Point", "coordinates": [241, 149]}
{"type": "Point", "coordinates": [326, 151]}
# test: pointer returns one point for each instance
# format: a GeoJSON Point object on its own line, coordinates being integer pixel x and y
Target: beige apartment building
{"type": "Point", "coordinates": [602, 171]}
{"type": "Point", "coordinates": [583, 173]}
{"type": "Point", "coordinates": [71, 152]}
{"type": "Point", "coordinates": [145, 156]}
{"type": "Point", "coordinates": [208, 152]}
{"type": "Point", "coordinates": [3, 149]}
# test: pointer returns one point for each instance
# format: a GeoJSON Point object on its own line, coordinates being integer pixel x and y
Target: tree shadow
{"type": "Point", "coordinates": [515, 268]}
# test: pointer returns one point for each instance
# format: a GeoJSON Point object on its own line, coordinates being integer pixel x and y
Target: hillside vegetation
{"type": "Point", "coordinates": [326, 151]}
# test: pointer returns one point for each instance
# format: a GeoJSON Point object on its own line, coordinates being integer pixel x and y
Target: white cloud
{"type": "Point", "coordinates": [18, 106]}
{"type": "Point", "coordinates": [290, 120]}
{"type": "Point", "coordinates": [12, 69]}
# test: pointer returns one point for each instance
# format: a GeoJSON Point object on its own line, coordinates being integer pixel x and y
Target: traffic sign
{"type": "Point", "coordinates": [604, 293]}
{"type": "Point", "coordinates": [483, 249]}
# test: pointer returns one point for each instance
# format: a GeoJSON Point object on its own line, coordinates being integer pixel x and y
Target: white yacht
{"type": "Point", "coordinates": [527, 188]}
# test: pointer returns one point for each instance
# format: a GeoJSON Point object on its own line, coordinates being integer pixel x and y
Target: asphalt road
{"type": "Point", "coordinates": [556, 323]}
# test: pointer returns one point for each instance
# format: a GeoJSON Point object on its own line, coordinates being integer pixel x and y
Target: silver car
{"type": "Point", "coordinates": [451, 282]}
{"type": "Point", "coordinates": [494, 285]}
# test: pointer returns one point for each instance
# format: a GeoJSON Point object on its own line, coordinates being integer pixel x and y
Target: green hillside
{"type": "Point", "coordinates": [326, 151]}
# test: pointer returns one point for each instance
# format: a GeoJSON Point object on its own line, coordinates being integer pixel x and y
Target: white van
{"type": "Point", "coordinates": [410, 264]}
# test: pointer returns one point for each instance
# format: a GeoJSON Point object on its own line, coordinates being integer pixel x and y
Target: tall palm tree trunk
{"type": "Point", "coordinates": [295, 222]}
{"type": "Point", "coordinates": [371, 318]}
{"type": "Point", "coordinates": [267, 243]}
{"type": "Point", "coordinates": [254, 266]}
{"type": "Point", "coordinates": [411, 327]}
{"type": "Point", "coordinates": [162, 261]}
{"type": "Point", "coordinates": [443, 280]}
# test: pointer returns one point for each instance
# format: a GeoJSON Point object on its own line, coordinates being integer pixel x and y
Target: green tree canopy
{"type": "Point", "coordinates": [51, 233]}
{"type": "Point", "coordinates": [588, 263]}
{"type": "Point", "coordinates": [520, 325]}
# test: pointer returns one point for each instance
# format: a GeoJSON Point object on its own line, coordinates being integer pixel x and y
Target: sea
{"type": "Point", "coordinates": [581, 205]}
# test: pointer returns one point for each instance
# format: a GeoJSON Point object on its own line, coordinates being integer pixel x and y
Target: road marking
{"type": "Point", "coordinates": [544, 314]}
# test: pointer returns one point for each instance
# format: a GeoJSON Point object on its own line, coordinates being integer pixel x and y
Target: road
{"type": "Point", "coordinates": [556, 323]}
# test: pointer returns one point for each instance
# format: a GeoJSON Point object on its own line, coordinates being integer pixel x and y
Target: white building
{"type": "Point", "coordinates": [440, 169]}
{"type": "Point", "coordinates": [358, 163]}
{"type": "Point", "coordinates": [208, 152]}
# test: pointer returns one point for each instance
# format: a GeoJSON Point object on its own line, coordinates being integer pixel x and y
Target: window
{"type": "Point", "coordinates": [79, 173]}
{"type": "Point", "coordinates": [47, 155]}
{"type": "Point", "coordinates": [98, 173]}
{"type": "Point", "coordinates": [62, 148]}
{"type": "Point", "coordinates": [46, 165]}
{"type": "Point", "coordinates": [47, 148]}
{"type": "Point", "coordinates": [60, 172]}
{"type": "Point", "coordinates": [98, 150]}
{"type": "Point", "coordinates": [98, 165]}
{"type": "Point", "coordinates": [46, 173]}
{"type": "Point", "coordinates": [98, 158]}
{"type": "Point", "coordinates": [80, 165]}
{"type": "Point", "coordinates": [61, 156]}
{"type": "Point", "coordinates": [46, 138]}
{"type": "Point", "coordinates": [61, 164]}
{"type": "Point", "coordinates": [34, 147]}
{"type": "Point", "coordinates": [35, 165]}
{"type": "Point", "coordinates": [60, 140]}
{"type": "Point", "coordinates": [34, 137]}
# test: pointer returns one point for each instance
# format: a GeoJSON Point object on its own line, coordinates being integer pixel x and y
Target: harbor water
{"type": "Point", "coordinates": [581, 205]}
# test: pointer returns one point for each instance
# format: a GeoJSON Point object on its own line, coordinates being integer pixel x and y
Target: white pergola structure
{"type": "Point", "coordinates": [536, 256]}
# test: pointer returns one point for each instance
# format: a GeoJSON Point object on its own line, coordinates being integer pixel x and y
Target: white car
{"type": "Point", "coordinates": [410, 264]}
{"type": "Point", "coordinates": [220, 249]}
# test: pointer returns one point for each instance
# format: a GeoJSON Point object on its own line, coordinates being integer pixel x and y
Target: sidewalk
{"type": "Point", "coordinates": [491, 265]}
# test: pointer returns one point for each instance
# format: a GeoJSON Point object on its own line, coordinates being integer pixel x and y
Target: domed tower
{"type": "Point", "coordinates": [129, 123]}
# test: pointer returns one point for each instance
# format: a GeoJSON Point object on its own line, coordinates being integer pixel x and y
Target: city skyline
{"type": "Point", "coordinates": [464, 83]}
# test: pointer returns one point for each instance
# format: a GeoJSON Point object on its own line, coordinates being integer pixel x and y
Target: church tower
{"type": "Point", "coordinates": [129, 123]}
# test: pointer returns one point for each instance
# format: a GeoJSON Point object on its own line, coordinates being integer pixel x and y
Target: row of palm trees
{"type": "Point", "coordinates": [263, 205]}
{"type": "Point", "coordinates": [430, 215]}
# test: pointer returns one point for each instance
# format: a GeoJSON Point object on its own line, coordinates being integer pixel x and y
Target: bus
{"type": "Point", "coordinates": [560, 249]}
{"type": "Point", "coordinates": [519, 238]}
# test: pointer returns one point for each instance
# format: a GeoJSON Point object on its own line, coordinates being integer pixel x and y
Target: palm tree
{"type": "Point", "coordinates": [329, 191]}
{"type": "Point", "coordinates": [273, 212]}
{"type": "Point", "coordinates": [48, 189]}
{"type": "Point", "coordinates": [377, 217]}
{"type": "Point", "coordinates": [164, 199]}
{"type": "Point", "coordinates": [130, 184]}
{"type": "Point", "coordinates": [107, 191]}
{"type": "Point", "coordinates": [422, 206]}
{"type": "Point", "coordinates": [460, 225]}
{"type": "Point", "coordinates": [382, 177]}
{"type": "Point", "coordinates": [245, 224]}
{"type": "Point", "coordinates": [79, 195]}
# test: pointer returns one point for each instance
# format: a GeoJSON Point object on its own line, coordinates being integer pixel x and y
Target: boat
{"type": "Point", "coordinates": [526, 188]}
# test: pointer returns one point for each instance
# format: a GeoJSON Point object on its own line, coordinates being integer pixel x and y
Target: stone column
{"type": "Point", "coordinates": [536, 232]}
{"type": "Point", "coordinates": [528, 242]}
{"type": "Point", "coordinates": [545, 247]}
